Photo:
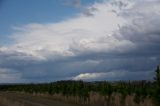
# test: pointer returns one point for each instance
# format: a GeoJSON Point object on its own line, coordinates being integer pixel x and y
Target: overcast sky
{"type": "Point", "coordinates": [50, 40]}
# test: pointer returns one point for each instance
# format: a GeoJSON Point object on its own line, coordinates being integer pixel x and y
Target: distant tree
{"type": "Point", "coordinates": [157, 79]}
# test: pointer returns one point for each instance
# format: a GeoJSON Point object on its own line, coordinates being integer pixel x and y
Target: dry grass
{"type": "Point", "coordinates": [7, 102]}
{"type": "Point", "coordinates": [94, 99]}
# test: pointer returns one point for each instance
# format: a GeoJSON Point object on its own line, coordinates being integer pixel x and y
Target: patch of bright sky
{"type": "Point", "coordinates": [21, 12]}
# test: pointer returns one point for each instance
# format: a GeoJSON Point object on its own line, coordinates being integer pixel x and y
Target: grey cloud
{"type": "Point", "coordinates": [90, 11]}
{"type": "Point", "coordinates": [67, 68]}
{"type": "Point", "coordinates": [144, 32]}
{"type": "Point", "coordinates": [9, 76]}
{"type": "Point", "coordinates": [73, 3]}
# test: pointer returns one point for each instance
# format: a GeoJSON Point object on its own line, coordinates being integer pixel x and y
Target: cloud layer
{"type": "Point", "coordinates": [111, 40]}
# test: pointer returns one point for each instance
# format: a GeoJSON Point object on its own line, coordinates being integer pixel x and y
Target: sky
{"type": "Point", "coordinates": [90, 40]}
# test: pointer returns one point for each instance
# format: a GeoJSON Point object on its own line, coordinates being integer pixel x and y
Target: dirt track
{"type": "Point", "coordinates": [21, 99]}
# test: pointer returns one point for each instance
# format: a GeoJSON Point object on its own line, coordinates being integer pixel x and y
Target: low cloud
{"type": "Point", "coordinates": [87, 76]}
{"type": "Point", "coordinates": [113, 76]}
{"type": "Point", "coordinates": [9, 76]}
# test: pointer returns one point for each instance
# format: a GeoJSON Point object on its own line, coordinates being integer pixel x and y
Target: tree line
{"type": "Point", "coordinates": [141, 89]}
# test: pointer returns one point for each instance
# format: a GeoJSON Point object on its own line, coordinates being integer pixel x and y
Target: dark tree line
{"type": "Point", "coordinates": [140, 89]}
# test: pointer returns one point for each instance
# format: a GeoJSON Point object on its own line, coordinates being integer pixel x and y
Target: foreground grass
{"type": "Point", "coordinates": [26, 99]}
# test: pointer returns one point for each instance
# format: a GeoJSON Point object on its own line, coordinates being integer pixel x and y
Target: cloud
{"type": "Point", "coordinates": [86, 76]}
{"type": "Point", "coordinates": [113, 76]}
{"type": "Point", "coordinates": [9, 76]}
{"type": "Point", "coordinates": [74, 3]}
{"type": "Point", "coordinates": [80, 34]}
{"type": "Point", "coordinates": [117, 40]}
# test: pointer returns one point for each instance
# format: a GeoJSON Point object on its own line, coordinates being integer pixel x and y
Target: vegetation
{"type": "Point", "coordinates": [140, 89]}
{"type": "Point", "coordinates": [157, 87]}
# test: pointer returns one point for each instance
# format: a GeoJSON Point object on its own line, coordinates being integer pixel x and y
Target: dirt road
{"type": "Point", "coordinates": [23, 99]}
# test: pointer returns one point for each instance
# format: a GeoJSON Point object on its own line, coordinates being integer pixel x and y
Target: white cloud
{"type": "Point", "coordinates": [83, 34]}
{"type": "Point", "coordinates": [113, 75]}
{"type": "Point", "coordinates": [88, 76]}
{"type": "Point", "coordinates": [79, 34]}
{"type": "Point", "coordinates": [101, 75]}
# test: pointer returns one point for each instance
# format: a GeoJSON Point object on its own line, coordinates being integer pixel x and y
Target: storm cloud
{"type": "Point", "coordinates": [118, 41]}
